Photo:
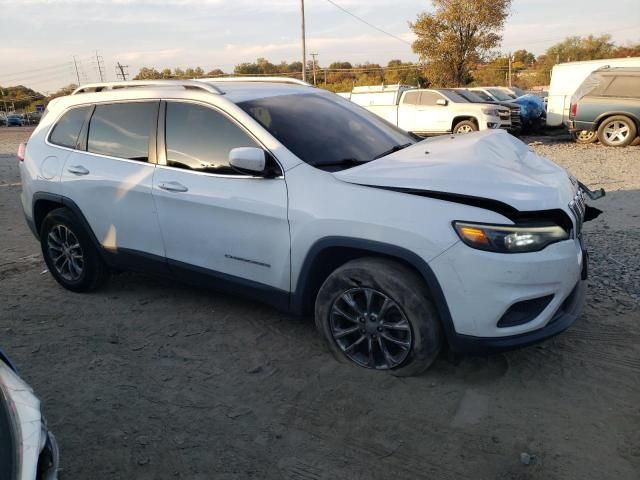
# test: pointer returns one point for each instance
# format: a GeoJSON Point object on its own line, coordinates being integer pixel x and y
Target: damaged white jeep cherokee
{"type": "Point", "coordinates": [293, 195]}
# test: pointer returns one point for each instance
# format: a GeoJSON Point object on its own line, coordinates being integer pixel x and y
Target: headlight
{"type": "Point", "coordinates": [492, 112]}
{"type": "Point", "coordinates": [507, 238]}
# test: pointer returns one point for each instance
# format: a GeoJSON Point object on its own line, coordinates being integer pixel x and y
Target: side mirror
{"type": "Point", "coordinates": [442, 102]}
{"type": "Point", "coordinates": [248, 160]}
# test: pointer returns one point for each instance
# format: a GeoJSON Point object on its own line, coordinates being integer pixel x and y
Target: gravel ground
{"type": "Point", "coordinates": [151, 379]}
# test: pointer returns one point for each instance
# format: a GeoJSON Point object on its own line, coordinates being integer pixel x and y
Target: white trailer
{"type": "Point", "coordinates": [567, 77]}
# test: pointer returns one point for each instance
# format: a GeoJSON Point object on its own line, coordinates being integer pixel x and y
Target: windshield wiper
{"type": "Point", "coordinates": [392, 150]}
{"type": "Point", "coordinates": [344, 161]}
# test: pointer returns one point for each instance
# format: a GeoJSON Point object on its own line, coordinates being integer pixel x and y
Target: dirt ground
{"type": "Point", "coordinates": [150, 379]}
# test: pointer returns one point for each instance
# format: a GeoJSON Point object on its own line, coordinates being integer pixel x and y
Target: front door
{"type": "Point", "coordinates": [215, 220]}
{"type": "Point", "coordinates": [436, 117]}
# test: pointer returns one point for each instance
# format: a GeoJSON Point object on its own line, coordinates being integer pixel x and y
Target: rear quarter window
{"type": "Point", "coordinates": [66, 130]}
{"type": "Point", "coordinates": [628, 86]}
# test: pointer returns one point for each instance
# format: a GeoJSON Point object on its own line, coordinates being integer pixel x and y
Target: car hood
{"type": "Point", "coordinates": [481, 106]}
{"type": "Point", "coordinates": [489, 165]}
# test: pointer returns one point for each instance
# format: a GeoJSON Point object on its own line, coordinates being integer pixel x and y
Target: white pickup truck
{"type": "Point", "coordinates": [429, 111]}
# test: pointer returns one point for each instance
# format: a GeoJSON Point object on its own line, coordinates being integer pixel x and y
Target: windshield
{"type": "Point", "coordinates": [471, 96]}
{"type": "Point", "coordinates": [484, 96]}
{"type": "Point", "coordinates": [501, 94]}
{"type": "Point", "coordinates": [325, 130]}
{"type": "Point", "coordinates": [453, 96]}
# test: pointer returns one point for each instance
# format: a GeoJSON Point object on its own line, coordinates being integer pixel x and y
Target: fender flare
{"type": "Point", "coordinates": [71, 205]}
{"type": "Point", "coordinates": [603, 116]}
{"type": "Point", "coordinates": [375, 248]}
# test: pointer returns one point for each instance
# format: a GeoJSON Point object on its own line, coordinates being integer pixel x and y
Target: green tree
{"type": "Point", "coordinates": [574, 49]}
{"type": "Point", "coordinates": [627, 51]}
{"type": "Point", "coordinates": [492, 73]}
{"type": "Point", "coordinates": [404, 73]}
{"type": "Point", "coordinates": [523, 58]}
{"type": "Point", "coordinates": [457, 36]}
{"type": "Point", "coordinates": [216, 72]}
{"type": "Point", "coordinates": [146, 73]}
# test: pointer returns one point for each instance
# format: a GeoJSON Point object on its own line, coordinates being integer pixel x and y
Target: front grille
{"type": "Point", "coordinates": [515, 117]}
{"type": "Point", "coordinates": [578, 206]}
{"type": "Point", "coordinates": [504, 115]}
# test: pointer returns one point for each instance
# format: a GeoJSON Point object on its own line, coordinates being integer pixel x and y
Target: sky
{"type": "Point", "coordinates": [39, 38]}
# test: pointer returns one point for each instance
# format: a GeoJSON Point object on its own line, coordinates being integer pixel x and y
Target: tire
{"type": "Point", "coordinates": [404, 339]}
{"type": "Point", "coordinates": [585, 137]}
{"type": "Point", "coordinates": [465, 126]}
{"type": "Point", "coordinates": [70, 254]}
{"type": "Point", "coordinates": [617, 131]}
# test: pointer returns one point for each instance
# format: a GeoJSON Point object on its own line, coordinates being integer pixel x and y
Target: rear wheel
{"type": "Point", "coordinates": [465, 126]}
{"type": "Point", "coordinates": [585, 136]}
{"type": "Point", "coordinates": [617, 131]}
{"type": "Point", "coordinates": [375, 313]}
{"type": "Point", "coordinates": [69, 253]}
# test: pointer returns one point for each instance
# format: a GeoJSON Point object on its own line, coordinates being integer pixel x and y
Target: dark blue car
{"type": "Point", "coordinates": [15, 121]}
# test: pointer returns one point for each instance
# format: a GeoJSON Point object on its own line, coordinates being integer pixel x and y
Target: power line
{"type": "Point", "coordinates": [33, 73]}
{"type": "Point", "coordinates": [360, 19]}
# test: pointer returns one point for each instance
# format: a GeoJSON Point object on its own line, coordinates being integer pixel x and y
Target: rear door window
{"type": "Point", "coordinates": [411, 98]}
{"type": "Point", "coordinates": [123, 130]}
{"type": "Point", "coordinates": [200, 138]}
{"type": "Point", "coordinates": [66, 131]}
{"type": "Point", "coordinates": [624, 87]}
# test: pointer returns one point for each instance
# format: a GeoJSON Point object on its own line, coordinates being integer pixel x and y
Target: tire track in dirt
{"type": "Point", "coordinates": [20, 265]}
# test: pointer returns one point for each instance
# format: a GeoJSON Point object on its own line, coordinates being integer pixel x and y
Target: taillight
{"type": "Point", "coordinates": [22, 148]}
{"type": "Point", "coordinates": [574, 110]}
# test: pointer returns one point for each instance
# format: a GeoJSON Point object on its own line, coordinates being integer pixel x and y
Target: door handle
{"type": "Point", "coordinates": [78, 170]}
{"type": "Point", "coordinates": [173, 187]}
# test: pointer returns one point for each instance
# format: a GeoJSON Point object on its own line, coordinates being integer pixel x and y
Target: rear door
{"type": "Point", "coordinates": [110, 175]}
{"type": "Point", "coordinates": [215, 221]}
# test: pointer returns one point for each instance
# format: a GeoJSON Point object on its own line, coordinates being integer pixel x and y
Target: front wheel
{"type": "Point", "coordinates": [376, 313]}
{"type": "Point", "coordinates": [69, 253]}
{"type": "Point", "coordinates": [465, 126]}
{"type": "Point", "coordinates": [617, 131]}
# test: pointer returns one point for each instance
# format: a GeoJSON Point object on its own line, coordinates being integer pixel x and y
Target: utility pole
{"type": "Point", "coordinates": [314, 55]}
{"type": "Point", "coordinates": [510, 60]}
{"type": "Point", "coordinates": [100, 63]}
{"type": "Point", "coordinates": [75, 63]}
{"type": "Point", "coordinates": [304, 46]}
{"type": "Point", "coordinates": [120, 71]}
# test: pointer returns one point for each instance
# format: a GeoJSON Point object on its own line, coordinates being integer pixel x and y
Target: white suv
{"type": "Point", "coordinates": [295, 196]}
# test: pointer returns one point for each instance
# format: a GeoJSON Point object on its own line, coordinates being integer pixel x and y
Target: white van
{"type": "Point", "coordinates": [567, 77]}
